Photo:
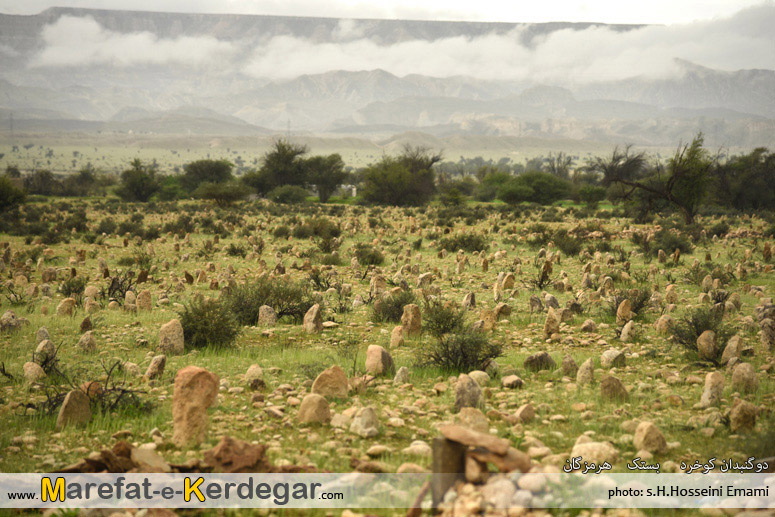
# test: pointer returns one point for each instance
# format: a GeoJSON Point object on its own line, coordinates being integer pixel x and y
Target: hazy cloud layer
{"type": "Point", "coordinates": [76, 41]}
{"type": "Point", "coordinates": [745, 40]}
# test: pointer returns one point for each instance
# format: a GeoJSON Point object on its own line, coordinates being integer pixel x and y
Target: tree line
{"type": "Point", "coordinates": [691, 178]}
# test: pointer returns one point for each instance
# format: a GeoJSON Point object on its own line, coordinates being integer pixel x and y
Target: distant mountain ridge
{"type": "Point", "coordinates": [733, 108]}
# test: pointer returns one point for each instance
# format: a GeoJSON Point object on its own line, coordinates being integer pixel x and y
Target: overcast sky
{"type": "Point", "coordinates": [606, 11]}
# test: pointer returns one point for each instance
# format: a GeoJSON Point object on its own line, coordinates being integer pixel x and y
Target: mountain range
{"type": "Point", "coordinates": [226, 96]}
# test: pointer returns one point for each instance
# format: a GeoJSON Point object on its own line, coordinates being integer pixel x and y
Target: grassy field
{"type": "Point", "coordinates": [664, 380]}
{"type": "Point", "coordinates": [111, 153]}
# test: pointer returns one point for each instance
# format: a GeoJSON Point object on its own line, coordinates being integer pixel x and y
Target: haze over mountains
{"type": "Point", "coordinates": [119, 71]}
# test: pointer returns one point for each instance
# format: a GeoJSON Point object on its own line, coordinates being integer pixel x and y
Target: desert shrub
{"type": "Point", "coordinates": [236, 250]}
{"type": "Point", "coordinates": [719, 229]}
{"type": "Point", "coordinates": [73, 287]}
{"type": "Point", "coordinates": [223, 194]}
{"type": "Point", "coordinates": [281, 232]}
{"type": "Point", "coordinates": [469, 242]}
{"type": "Point", "coordinates": [567, 243]}
{"type": "Point", "coordinates": [694, 322]}
{"type": "Point", "coordinates": [368, 255]}
{"type": "Point", "coordinates": [639, 300]}
{"type": "Point", "coordinates": [440, 318]}
{"type": "Point", "coordinates": [669, 242]}
{"type": "Point", "coordinates": [463, 352]}
{"type": "Point", "coordinates": [183, 224]}
{"type": "Point", "coordinates": [287, 298]}
{"type": "Point", "coordinates": [317, 227]}
{"type": "Point", "coordinates": [331, 259]}
{"type": "Point", "coordinates": [288, 195]}
{"type": "Point", "coordinates": [208, 323]}
{"type": "Point", "coordinates": [106, 226]}
{"type": "Point", "coordinates": [390, 308]}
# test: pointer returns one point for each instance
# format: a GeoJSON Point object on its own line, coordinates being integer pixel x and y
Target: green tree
{"type": "Point", "coordinates": [535, 186]}
{"type": "Point", "coordinates": [407, 179]}
{"type": "Point", "coordinates": [591, 195]}
{"type": "Point", "coordinates": [139, 182]}
{"type": "Point", "coordinates": [205, 171]}
{"type": "Point", "coordinates": [490, 181]}
{"type": "Point", "coordinates": [746, 181]}
{"type": "Point", "coordinates": [683, 184]}
{"type": "Point", "coordinates": [325, 173]}
{"type": "Point", "coordinates": [558, 165]}
{"type": "Point", "coordinates": [42, 183]}
{"type": "Point", "coordinates": [223, 194]}
{"type": "Point", "coordinates": [10, 194]}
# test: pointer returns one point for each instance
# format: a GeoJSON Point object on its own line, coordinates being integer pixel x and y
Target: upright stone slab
{"type": "Point", "coordinates": [195, 390]}
{"type": "Point", "coordinates": [75, 410]}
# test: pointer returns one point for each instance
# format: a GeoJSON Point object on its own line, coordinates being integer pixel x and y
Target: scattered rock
{"type": "Point", "coordinates": [612, 389]}
{"type": "Point", "coordinates": [331, 383]}
{"type": "Point", "coordinates": [411, 320]}
{"type": "Point", "coordinates": [742, 418]}
{"type": "Point", "coordinates": [467, 393]}
{"type": "Point", "coordinates": [612, 358]}
{"type": "Point", "coordinates": [313, 320]}
{"type": "Point", "coordinates": [540, 361]}
{"type": "Point", "coordinates": [75, 410]}
{"type": "Point", "coordinates": [156, 368]}
{"type": "Point", "coordinates": [649, 438]}
{"type": "Point", "coordinates": [365, 424]}
{"type": "Point", "coordinates": [586, 373]}
{"type": "Point", "coordinates": [171, 339]}
{"type": "Point", "coordinates": [379, 362]}
{"type": "Point", "coordinates": [194, 391]}
{"type": "Point", "coordinates": [314, 410]}
{"type": "Point", "coordinates": [706, 346]}
{"type": "Point", "coordinates": [744, 378]}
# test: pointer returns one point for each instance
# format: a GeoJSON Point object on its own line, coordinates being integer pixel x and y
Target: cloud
{"type": "Point", "coordinates": [568, 56]}
{"type": "Point", "coordinates": [744, 40]}
{"type": "Point", "coordinates": [81, 41]}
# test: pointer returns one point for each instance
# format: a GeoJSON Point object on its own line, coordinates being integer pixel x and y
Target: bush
{"type": "Point", "coordinates": [440, 318]}
{"type": "Point", "coordinates": [639, 300]}
{"type": "Point", "coordinates": [291, 299]}
{"type": "Point", "coordinates": [73, 287]}
{"type": "Point", "coordinates": [669, 241]}
{"type": "Point", "coordinates": [694, 322]}
{"type": "Point", "coordinates": [288, 195]}
{"type": "Point", "coordinates": [223, 194]}
{"type": "Point", "coordinates": [535, 187]}
{"type": "Point", "coordinates": [236, 250]}
{"type": "Point", "coordinates": [469, 242]}
{"type": "Point", "coordinates": [281, 232]}
{"type": "Point", "coordinates": [368, 255]}
{"type": "Point", "coordinates": [591, 195]}
{"type": "Point", "coordinates": [317, 227]}
{"type": "Point", "coordinates": [567, 243]}
{"type": "Point", "coordinates": [208, 323]}
{"type": "Point", "coordinates": [10, 195]}
{"type": "Point", "coordinates": [391, 308]}
{"type": "Point", "coordinates": [469, 350]}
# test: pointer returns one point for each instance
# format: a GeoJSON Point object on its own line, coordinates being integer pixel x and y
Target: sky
{"type": "Point", "coordinates": [603, 11]}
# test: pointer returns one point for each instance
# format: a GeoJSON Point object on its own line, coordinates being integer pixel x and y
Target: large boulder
{"type": "Point", "coordinates": [649, 438]}
{"type": "Point", "coordinates": [194, 391]}
{"type": "Point", "coordinates": [331, 383]}
{"type": "Point", "coordinates": [612, 389]}
{"type": "Point", "coordinates": [314, 410]}
{"type": "Point", "coordinates": [411, 320]}
{"type": "Point", "coordinates": [379, 362]}
{"type": "Point", "coordinates": [66, 307]}
{"type": "Point", "coordinates": [467, 393]}
{"type": "Point", "coordinates": [75, 410]}
{"type": "Point", "coordinates": [171, 339]}
{"type": "Point", "coordinates": [313, 320]}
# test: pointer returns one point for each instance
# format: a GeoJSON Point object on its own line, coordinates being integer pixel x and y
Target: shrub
{"type": "Point", "coordinates": [469, 350]}
{"type": "Point", "coordinates": [669, 241]}
{"type": "Point", "coordinates": [281, 232]}
{"type": "Point", "coordinates": [639, 300]}
{"type": "Point", "coordinates": [73, 287]}
{"type": "Point", "coordinates": [288, 195]}
{"type": "Point", "coordinates": [208, 323]}
{"type": "Point", "coordinates": [317, 227]}
{"type": "Point", "coordinates": [368, 255]}
{"type": "Point", "coordinates": [535, 187]}
{"type": "Point", "coordinates": [469, 242]}
{"type": "Point", "coordinates": [223, 194]}
{"type": "Point", "coordinates": [440, 318]}
{"type": "Point", "coordinates": [106, 226]}
{"type": "Point", "coordinates": [10, 195]}
{"type": "Point", "coordinates": [591, 195]}
{"type": "Point", "coordinates": [236, 250]}
{"type": "Point", "coordinates": [391, 308]}
{"type": "Point", "coordinates": [287, 298]}
{"type": "Point", "coordinates": [567, 243]}
{"type": "Point", "coordinates": [694, 322]}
